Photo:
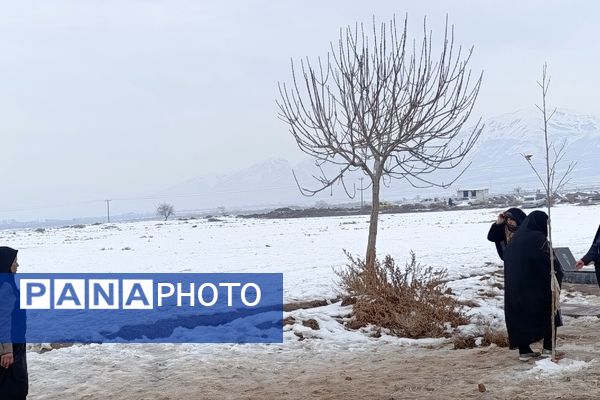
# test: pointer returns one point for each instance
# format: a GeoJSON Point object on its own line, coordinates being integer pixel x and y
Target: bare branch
{"type": "Point", "coordinates": [376, 102]}
{"type": "Point", "coordinates": [383, 104]}
{"type": "Point", "coordinates": [542, 180]}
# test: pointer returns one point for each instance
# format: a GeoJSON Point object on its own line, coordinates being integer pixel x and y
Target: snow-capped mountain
{"type": "Point", "coordinates": [497, 158]}
{"type": "Point", "coordinates": [497, 163]}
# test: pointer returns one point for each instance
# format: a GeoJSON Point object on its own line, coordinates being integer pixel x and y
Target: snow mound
{"type": "Point", "coordinates": [547, 367]}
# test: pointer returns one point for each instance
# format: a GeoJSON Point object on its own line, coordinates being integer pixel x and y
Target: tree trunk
{"type": "Point", "coordinates": [371, 253]}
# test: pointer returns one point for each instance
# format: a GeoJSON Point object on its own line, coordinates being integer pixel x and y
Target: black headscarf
{"type": "Point", "coordinates": [517, 214]}
{"type": "Point", "coordinates": [7, 257]}
{"type": "Point", "coordinates": [501, 233]}
{"type": "Point", "coordinates": [538, 222]}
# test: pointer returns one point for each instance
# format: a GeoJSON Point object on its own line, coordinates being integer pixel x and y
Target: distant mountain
{"type": "Point", "coordinates": [496, 163]}
{"type": "Point", "coordinates": [497, 159]}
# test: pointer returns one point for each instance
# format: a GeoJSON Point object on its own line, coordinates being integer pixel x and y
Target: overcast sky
{"type": "Point", "coordinates": [108, 99]}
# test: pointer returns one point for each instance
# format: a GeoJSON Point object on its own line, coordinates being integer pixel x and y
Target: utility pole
{"type": "Point", "coordinates": [108, 210]}
{"type": "Point", "coordinates": [361, 192]}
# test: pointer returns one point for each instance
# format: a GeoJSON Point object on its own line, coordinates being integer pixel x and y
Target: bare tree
{"type": "Point", "coordinates": [552, 158]}
{"type": "Point", "coordinates": [382, 106]}
{"type": "Point", "coordinates": [517, 190]}
{"type": "Point", "coordinates": [165, 210]}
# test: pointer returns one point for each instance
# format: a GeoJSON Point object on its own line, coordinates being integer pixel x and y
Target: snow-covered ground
{"type": "Point", "coordinates": [306, 251]}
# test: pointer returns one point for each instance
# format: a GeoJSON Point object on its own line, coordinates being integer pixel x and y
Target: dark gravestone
{"type": "Point", "coordinates": [566, 258]}
{"type": "Point", "coordinates": [564, 255]}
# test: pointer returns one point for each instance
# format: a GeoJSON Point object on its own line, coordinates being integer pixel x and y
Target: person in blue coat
{"type": "Point", "coordinates": [593, 254]}
{"type": "Point", "coordinates": [14, 382]}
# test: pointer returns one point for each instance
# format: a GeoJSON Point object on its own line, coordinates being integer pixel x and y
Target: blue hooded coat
{"type": "Point", "coordinates": [14, 383]}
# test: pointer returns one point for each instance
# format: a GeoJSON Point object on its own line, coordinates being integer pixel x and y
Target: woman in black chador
{"type": "Point", "coordinates": [13, 362]}
{"type": "Point", "coordinates": [502, 231]}
{"type": "Point", "coordinates": [527, 290]}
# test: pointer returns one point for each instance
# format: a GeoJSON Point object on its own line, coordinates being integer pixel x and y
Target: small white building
{"type": "Point", "coordinates": [472, 195]}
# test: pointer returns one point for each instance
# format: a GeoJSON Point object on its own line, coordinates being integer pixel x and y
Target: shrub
{"type": "Point", "coordinates": [487, 330]}
{"type": "Point", "coordinates": [464, 341]}
{"type": "Point", "coordinates": [495, 336]}
{"type": "Point", "coordinates": [409, 302]}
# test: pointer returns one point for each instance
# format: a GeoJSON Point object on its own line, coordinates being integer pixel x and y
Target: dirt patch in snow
{"type": "Point", "coordinates": [314, 369]}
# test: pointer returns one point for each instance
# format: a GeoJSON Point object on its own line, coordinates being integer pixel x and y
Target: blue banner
{"type": "Point", "coordinates": [141, 308]}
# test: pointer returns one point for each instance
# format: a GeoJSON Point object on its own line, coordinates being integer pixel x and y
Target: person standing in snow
{"type": "Point", "coordinates": [502, 231]}
{"type": "Point", "coordinates": [593, 254]}
{"type": "Point", "coordinates": [527, 287]}
{"type": "Point", "coordinates": [14, 383]}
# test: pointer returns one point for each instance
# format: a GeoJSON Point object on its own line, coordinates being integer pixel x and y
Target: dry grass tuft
{"type": "Point", "coordinates": [486, 331]}
{"type": "Point", "coordinates": [409, 302]}
{"type": "Point", "coordinates": [494, 336]}
{"type": "Point", "coordinates": [464, 341]}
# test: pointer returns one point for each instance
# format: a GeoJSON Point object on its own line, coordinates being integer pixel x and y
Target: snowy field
{"type": "Point", "coordinates": [306, 251]}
